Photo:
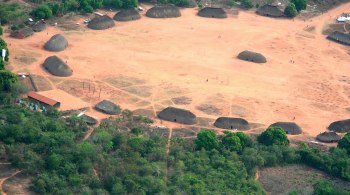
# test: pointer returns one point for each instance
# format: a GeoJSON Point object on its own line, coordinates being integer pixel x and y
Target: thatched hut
{"type": "Point", "coordinates": [289, 127]}
{"type": "Point", "coordinates": [56, 43]}
{"type": "Point", "coordinates": [212, 12]}
{"type": "Point", "coordinates": [342, 126]}
{"type": "Point", "coordinates": [252, 57]}
{"type": "Point", "coordinates": [339, 37]}
{"type": "Point", "coordinates": [55, 66]}
{"type": "Point", "coordinates": [108, 107]}
{"type": "Point", "coordinates": [127, 15]}
{"type": "Point", "coordinates": [39, 26]}
{"type": "Point", "coordinates": [231, 123]}
{"type": "Point", "coordinates": [22, 33]}
{"type": "Point", "coordinates": [89, 120]}
{"type": "Point", "coordinates": [328, 137]}
{"type": "Point", "coordinates": [101, 23]}
{"type": "Point", "coordinates": [270, 10]}
{"type": "Point", "coordinates": [163, 11]}
{"type": "Point", "coordinates": [178, 115]}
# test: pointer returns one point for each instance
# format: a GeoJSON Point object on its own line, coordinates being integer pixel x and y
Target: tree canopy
{"type": "Point", "coordinates": [273, 136]}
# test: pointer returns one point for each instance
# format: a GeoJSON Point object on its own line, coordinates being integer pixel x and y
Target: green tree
{"type": "Point", "coordinates": [3, 45]}
{"type": "Point", "coordinates": [206, 139]}
{"type": "Point", "coordinates": [2, 64]}
{"type": "Point", "coordinates": [299, 4]}
{"type": "Point", "coordinates": [43, 11]}
{"type": "Point", "coordinates": [0, 30]}
{"type": "Point", "coordinates": [273, 136]}
{"type": "Point", "coordinates": [232, 142]}
{"type": "Point", "coordinates": [345, 142]}
{"type": "Point", "coordinates": [247, 4]}
{"type": "Point", "coordinates": [290, 10]}
{"type": "Point", "coordinates": [6, 79]}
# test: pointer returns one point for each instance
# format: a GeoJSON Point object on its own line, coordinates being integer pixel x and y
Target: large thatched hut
{"type": "Point", "coordinates": [289, 127]}
{"type": "Point", "coordinates": [22, 33]}
{"type": "Point", "coordinates": [55, 66]}
{"type": "Point", "coordinates": [101, 23]}
{"type": "Point", "coordinates": [270, 10]}
{"type": "Point", "coordinates": [231, 123]}
{"type": "Point", "coordinates": [212, 12]}
{"type": "Point", "coordinates": [252, 57]}
{"type": "Point", "coordinates": [39, 26]}
{"type": "Point", "coordinates": [339, 37]}
{"type": "Point", "coordinates": [178, 115]}
{"type": "Point", "coordinates": [56, 43]}
{"type": "Point", "coordinates": [127, 15]}
{"type": "Point", "coordinates": [341, 126]}
{"type": "Point", "coordinates": [163, 11]}
{"type": "Point", "coordinates": [108, 107]}
{"type": "Point", "coordinates": [328, 137]}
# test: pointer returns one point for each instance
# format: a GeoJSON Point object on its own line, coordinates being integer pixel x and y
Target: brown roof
{"type": "Point", "coordinates": [41, 98]}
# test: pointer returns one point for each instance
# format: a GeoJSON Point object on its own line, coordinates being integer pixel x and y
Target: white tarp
{"type": "Point", "coordinates": [3, 54]}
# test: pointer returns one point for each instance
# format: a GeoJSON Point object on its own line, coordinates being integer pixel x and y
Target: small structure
{"type": "Point", "coordinates": [40, 99]}
{"type": "Point", "coordinates": [163, 11]}
{"type": "Point", "coordinates": [252, 57]}
{"type": "Point", "coordinates": [57, 67]}
{"type": "Point", "coordinates": [101, 23]}
{"type": "Point", "coordinates": [23, 33]}
{"type": "Point", "coordinates": [89, 120]}
{"type": "Point", "coordinates": [339, 37]}
{"type": "Point", "coordinates": [342, 126]}
{"type": "Point", "coordinates": [178, 115]}
{"type": "Point", "coordinates": [289, 127]}
{"type": "Point", "coordinates": [56, 43]}
{"type": "Point", "coordinates": [328, 137]}
{"type": "Point", "coordinates": [212, 12]}
{"type": "Point", "coordinates": [270, 10]}
{"type": "Point", "coordinates": [231, 123]}
{"type": "Point", "coordinates": [108, 107]}
{"type": "Point", "coordinates": [127, 15]}
{"type": "Point", "coordinates": [39, 26]}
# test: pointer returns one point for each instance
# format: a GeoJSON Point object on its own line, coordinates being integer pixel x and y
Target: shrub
{"type": "Point", "coordinates": [345, 142]}
{"type": "Point", "coordinates": [1, 30]}
{"type": "Point", "coordinates": [43, 11]}
{"type": "Point", "coordinates": [299, 4]}
{"type": "Point", "coordinates": [290, 10]}
{"type": "Point", "coordinates": [2, 64]}
{"type": "Point", "coordinates": [247, 4]}
{"type": "Point", "coordinates": [206, 139]}
{"type": "Point", "coordinates": [273, 136]}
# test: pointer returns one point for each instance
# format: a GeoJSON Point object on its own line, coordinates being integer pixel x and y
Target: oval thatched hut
{"type": "Point", "coordinates": [270, 10]}
{"type": "Point", "coordinates": [231, 123]}
{"type": "Point", "coordinates": [57, 67]}
{"type": "Point", "coordinates": [22, 33]}
{"type": "Point", "coordinates": [101, 23]}
{"type": "Point", "coordinates": [289, 127]}
{"type": "Point", "coordinates": [127, 15]}
{"type": "Point", "coordinates": [328, 137]}
{"type": "Point", "coordinates": [56, 43]}
{"type": "Point", "coordinates": [89, 120]}
{"type": "Point", "coordinates": [178, 115]}
{"type": "Point", "coordinates": [339, 37]}
{"type": "Point", "coordinates": [252, 57]}
{"type": "Point", "coordinates": [39, 26]}
{"type": "Point", "coordinates": [342, 126]}
{"type": "Point", "coordinates": [108, 107]}
{"type": "Point", "coordinates": [163, 11]}
{"type": "Point", "coordinates": [212, 12]}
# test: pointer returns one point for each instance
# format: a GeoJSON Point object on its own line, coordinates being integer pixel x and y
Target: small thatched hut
{"type": "Point", "coordinates": [342, 126]}
{"type": "Point", "coordinates": [127, 15]}
{"type": "Point", "coordinates": [212, 12]}
{"type": "Point", "coordinates": [108, 107]}
{"type": "Point", "coordinates": [101, 23]}
{"type": "Point", "coordinates": [57, 67]}
{"type": "Point", "coordinates": [289, 127]}
{"type": "Point", "coordinates": [328, 137]}
{"type": "Point", "coordinates": [252, 57]}
{"type": "Point", "coordinates": [163, 11]}
{"type": "Point", "coordinates": [178, 115]}
{"type": "Point", "coordinates": [23, 33]}
{"type": "Point", "coordinates": [231, 123]}
{"type": "Point", "coordinates": [56, 43]}
{"type": "Point", "coordinates": [39, 26]}
{"type": "Point", "coordinates": [270, 10]}
{"type": "Point", "coordinates": [339, 37]}
{"type": "Point", "coordinates": [89, 120]}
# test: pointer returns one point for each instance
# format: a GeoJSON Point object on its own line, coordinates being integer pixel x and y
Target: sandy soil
{"type": "Point", "coordinates": [149, 63]}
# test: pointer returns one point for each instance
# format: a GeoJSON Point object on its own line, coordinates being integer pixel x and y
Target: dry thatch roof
{"type": "Point", "coordinates": [163, 11]}
{"type": "Point", "coordinates": [289, 127]}
{"type": "Point", "coordinates": [328, 137]}
{"type": "Point", "coordinates": [101, 23]}
{"type": "Point", "coordinates": [339, 37]}
{"type": "Point", "coordinates": [56, 43]}
{"type": "Point", "coordinates": [57, 67]}
{"type": "Point", "coordinates": [270, 10]}
{"type": "Point", "coordinates": [211, 12]}
{"type": "Point", "coordinates": [231, 123]}
{"type": "Point", "coordinates": [39, 26]}
{"type": "Point", "coordinates": [108, 107]}
{"type": "Point", "coordinates": [252, 57]}
{"type": "Point", "coordinates": [342, 126]}
{"type": "Point", "coordinates": [23, 33]}
{"type": "Point", "coordinates": [127, 15]}
{"type": "Point", "coordinates": [178, 115]}
{"type": "Point", "coordinates": [89, 120]}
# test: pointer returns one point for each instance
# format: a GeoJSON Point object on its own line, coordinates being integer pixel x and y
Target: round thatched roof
{"type": "Point", "coordinates": [270, 10]}
{"type": "Point", "coordinates": [101, 23]}
{"type": "Point", "coordinates": [39, 26]}
{"type": "Point", "coordinates": [22, 33]}
{"type": "Point", "coordinates": [108, 107]}
{"type": "Point", "coordinates": [252, 57]}
{"type": "Point", "coordinates": [178, 115]}
{"type": "Point", "coordinates": [342, 126]}
{"type": "Point", "coordinates": [57, 67]}
{"type": "Point", "coordinates": [89, 120]}
{"type": "Point", "coordinates": [231, 123]}
{"type": "Point", "coordinates": [289, 127]}
{"type": "Point", "coordinates": [163, 11]}
{"type": "Point", "coordinates": [212, 12]}
{"type": "Point", "coordinates": [127, 15]}
{"type": "Point", "coordinates": [56, 43]}
{"type": "Point", "coordinates": [328, 137]}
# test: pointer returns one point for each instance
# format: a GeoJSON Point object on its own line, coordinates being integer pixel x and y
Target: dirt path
{"type": "Point", "coordinates": [6, 178]}
{"type": "Point", "coordinates": [167, 152]}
